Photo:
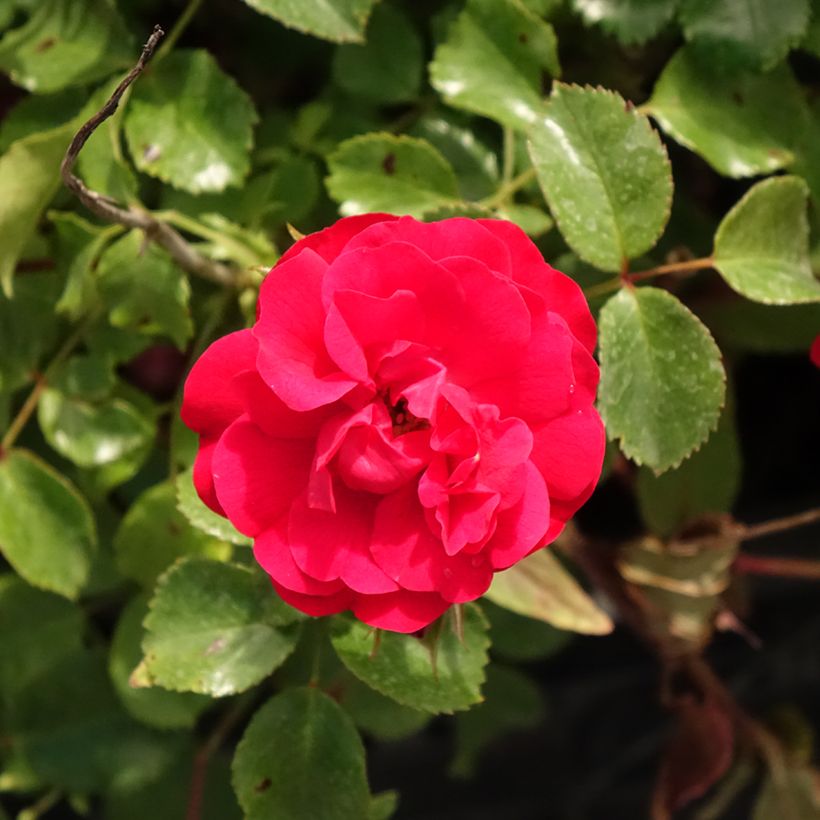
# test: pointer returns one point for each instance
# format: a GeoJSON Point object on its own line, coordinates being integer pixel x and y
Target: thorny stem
{"type": "Point", "coordinates": [179, 27]}
{"type": "Point", "coordinates": [210, 747]}
{"type": "Point", "coordinates": [30, 404]}
{"type": "Point", "coordinates": [506, 190]}
{"type": "Point", "coordinates": [185, 255]}
{"type": "Point", "coordinates": [690, 266]}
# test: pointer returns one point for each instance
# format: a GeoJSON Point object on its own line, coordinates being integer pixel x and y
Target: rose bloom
{"type": "Point", "coordinates": [814, 351]}
{"type": "Point", "coordinates": [411, 412]}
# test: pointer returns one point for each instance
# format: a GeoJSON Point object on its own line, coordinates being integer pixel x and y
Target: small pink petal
{"type": "Point", "coordinates": [203, 474]}
{"type": "Point", "coordinates": [316, 605]}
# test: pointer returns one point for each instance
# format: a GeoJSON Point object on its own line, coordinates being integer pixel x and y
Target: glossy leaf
{"type": "Point", "coordinates": [381, 172]}
{"type": "Point", "coordinates": [604, 173]}
{"type": "Point", "coordinates": [755, 33]}
{"type": "Point", "coordinates": [199, 140]}
{"type": "Point", "coordinates": [388, 67]}
{"type": "Point", "coordinates": [762, 244]}
{"type": "Point", "coordinates": [215, 628]}
{"type": "Point", "coordinates": [144, 289]}
{"type": "Point", "coordinates": [539, 587]}
{"type": "Point", "coordinates": [494, 60]}
{"type": "Point", "coordinates": [707, 482]}
{"type": "Point", "coordinates": [342, 21]}
{"type": "Point", "coordinates": [151, 705]}
{"type": "Point", "coordinates": [726, 117]}
{"type": "Point", "coordinates": [301, 758]}
{"type": "Point", "coordinates": [29, 178]}
{"type": "Point", "coordinates": [439, 673]}
{"type": "Point", "coordinates": [154, 533]}
{"type": "Point", "coordinates": [662, 380]}
{"type": "Point", "coordinates": [91, 433]}
{"type": "Point", "coordinates": [474, 163]}
{"type": "Point", "coordinates": [631, 21]}
{"type": "Point", "coordinates": [28, 328]}
{"type": "Point", "coordinates": [202, 517]}
{"type": "Point", "coordinates": [71, 731]}
{"type": "Point", "coordinates": [47, 530]}
{"type": "Point", "coordinates": [377, 714]}
{"type": "Point", "coordinates": [66, 42]}
{"type": "Point", "coordinates": [39, 629]}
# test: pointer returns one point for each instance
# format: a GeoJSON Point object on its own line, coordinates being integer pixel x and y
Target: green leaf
{"type": "Point", "coordinates": [40, 112]}
{"type": "Point", "coordinates": [383, 805]}
{"type": "Point", "coordinates": [439, 673]}
{"type": "Point", "coordinates": [707, 482]}
{"type": "Point", "coordinates": [493, 62]}
{"type": "Point", "coordinates": [604, 173]}
{"type": "Point", "coordinates": [28, 329]}
{"type": "Point", "coordinates": [762, 244]}
{"type": "Point", "coordinates": [29, 178]}
{"type": "Point", "coordinates": [342, 21]}
{"type": "Point", "coordinates": [727, 117]}
{"type": "Point", "coordinates": [518, 638]}
{"type": "Point", "coordinates": [511, 701]}
{"type": "Point", "coordinates": [811, 42]}
{"type": "Point", "coordinates": [216, 629]}
{"type": "Point", "coordinates": [91, 433]}
{"type": "Point", "coordinates": [377, 714]}
{"type": "Point", "coordinates": [153, 534]}
{"type": "Point", "coordinates": [72, 732]}
{"type": "Point", "coordinates": [39, 629]}
{"type": "Point", "coordinates": [755, 33]}
{"type": "Point", "coordinates": [533, 221]}
{"type": "Point", "coordinates": [144, 289]}
{"type": "Point", "coordinates": [382, 172]}
{"type": "Point", "coordinates": [153, 706]}
{"type": "Point", "coordinates": [631, 21]}
{"type": "Point", "coordinates": [474, 163]}
{"type": "Point", "coordinates": [199, 140]}
{"type": "Point", "coordinates": [66, 42]}
{"type": "Point", "coordinates": [202, 517]}
{"type": "Point", "coordinates": [539, 587]}
{"type": "Point", "coordinates": [47, 530]}
{"type": "Point", "coordinates": [388, 67]}
{"type": "Point", "coordinates": [301, 759]}
{"type": "Point", "coordinates": [662, 380]}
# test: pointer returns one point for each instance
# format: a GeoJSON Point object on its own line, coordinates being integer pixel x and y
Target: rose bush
{"type": "Point", "coordinates": [411, 412]}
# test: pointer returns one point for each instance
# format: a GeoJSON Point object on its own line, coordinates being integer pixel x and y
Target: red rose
{"type": "Point", "coordinates": [814, 351]}
{"type": "Point", "coordinates": [411, 412]}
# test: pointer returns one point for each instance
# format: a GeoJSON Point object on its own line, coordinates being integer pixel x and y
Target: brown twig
{"type": "Point", "coordinates": [777, 567]}
{"type": "Point", "coordinates": [181, 251]}
{"type": "Point", "coordinates": [212, 745]}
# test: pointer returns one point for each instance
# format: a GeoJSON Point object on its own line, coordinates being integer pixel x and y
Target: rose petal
{"type": "Point", "coordinates": [569, 452]}
{"type": "Point", "coordinates": [331, 241]}
{"type": "Point", "coordinates": [316, 605]}
{"type": "Point", "coordinates": [203, 474]}
{"type": "Point", "coordinates": [381, 272]}
{"type": "Point", "coordinates": [521, 529]}
{"type": "Point", "coordinates": [272, 552]}
{"type": "Point", "coordinates": [439, 240]}
{"type": "Point", "coordinates": [257, 477]}
{"type": "Point", "coordinates": [328, 546]}
{"type": "Point", "coordinates": [401, 611]}
{"type": "Point", "coordinates": [292, 357]}
{"type": "Point", "coordinates": [560, 293]}
{"type": "Point", "coordinates": [211, 399]}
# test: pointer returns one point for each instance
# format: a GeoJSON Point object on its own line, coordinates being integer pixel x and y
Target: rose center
{"type": "Point", "coordinates": [403, 421]}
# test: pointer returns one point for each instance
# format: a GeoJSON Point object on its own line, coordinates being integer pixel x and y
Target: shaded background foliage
{"type": "Point", "coordinates": [114, 702]}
